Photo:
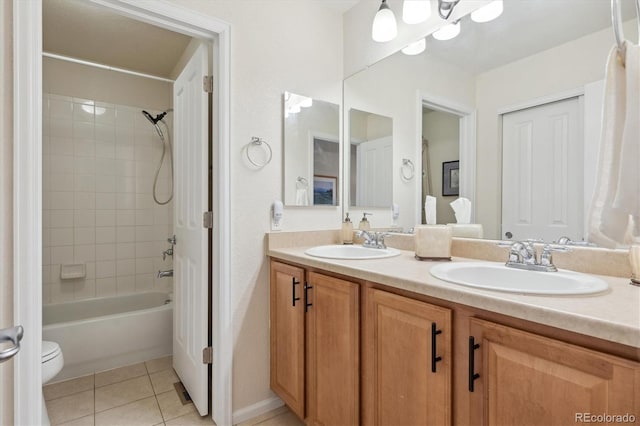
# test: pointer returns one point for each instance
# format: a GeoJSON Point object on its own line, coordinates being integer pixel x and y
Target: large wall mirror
{"type": "Point", "coordinates": [516, 102]}
{"type": "Point", "coordinates": [311, 151]}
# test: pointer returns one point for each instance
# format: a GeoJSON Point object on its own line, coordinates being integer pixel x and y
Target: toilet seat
{"type": "Point", "coordinates": [50, 350]}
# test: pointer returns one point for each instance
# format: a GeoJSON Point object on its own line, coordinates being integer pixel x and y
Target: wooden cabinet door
{"type": "Point", "coordinates": [287, 335]}
{"type": "Point", "coordinates": [526, 379]}
{"type": "Point", "coordinates": [333, 351]}
{"type": "Point", "coordinates": [399, 384]}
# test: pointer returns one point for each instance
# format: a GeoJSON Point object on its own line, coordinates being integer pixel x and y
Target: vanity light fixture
{"type": "Point", "coordinates": [384, 24]}
{"type": "Point", "coordinates": [416, 47]}
{"type": "Point", "coordinates": [488, 12]}
{"type": "Point", "coordinates": [448, 31]}
{"type": "Point", "coordinates": [416, 11]}
{"type": "Point", "coordinates": [445, 8]}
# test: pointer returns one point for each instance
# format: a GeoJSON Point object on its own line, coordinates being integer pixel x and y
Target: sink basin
{"type": "Point", "coordinates": [496, 276]}
{"type": "Point", "coordinates": [338, 251]}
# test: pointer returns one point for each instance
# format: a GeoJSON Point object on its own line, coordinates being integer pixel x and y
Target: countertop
{"type": "Point", "coordinates": [613, 315]}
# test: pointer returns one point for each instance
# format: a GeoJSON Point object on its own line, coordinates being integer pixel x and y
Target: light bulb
{"type": "Point", "coordinates": [416, 47]}
{"type": "Point", "coordinates": [448, 31]}
{"type": "Point", "coordinates": [488, 12]}
{"type": "Point", "coordinates": [384, 24]}
{"type": "Point", "coordinates": [416, 11]}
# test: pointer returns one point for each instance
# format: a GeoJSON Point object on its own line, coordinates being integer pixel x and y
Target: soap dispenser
{"type": "Point", "coordinates": [347, 231]}
{"type": "Point", "coordinates": [364, 224]}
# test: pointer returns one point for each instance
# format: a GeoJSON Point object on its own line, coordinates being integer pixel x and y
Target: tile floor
{"type": "Point", "coordinates": [136, 395]}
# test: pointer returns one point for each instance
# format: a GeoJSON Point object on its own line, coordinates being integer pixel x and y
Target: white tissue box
{"type": "Point", "coordinates": [432, 242]}
{"type": "Point", "coordinates": [466, 230]}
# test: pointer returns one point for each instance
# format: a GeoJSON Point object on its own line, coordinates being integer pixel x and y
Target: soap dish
{"type": "Point", "coordinates": [73, 271]}
{"type": "Point", "coordinates": [435, 259]}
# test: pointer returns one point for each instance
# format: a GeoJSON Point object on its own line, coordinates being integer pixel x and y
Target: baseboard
{"type": "Point", "coordinates": [257, 409]}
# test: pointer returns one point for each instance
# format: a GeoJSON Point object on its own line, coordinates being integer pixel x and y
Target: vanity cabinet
{"type": "Point", "coordinates": [315, 345]}
{"type": "Point", "coordinates": [406, 361]}
{"type": "Point", "coordinates": [527, 379]}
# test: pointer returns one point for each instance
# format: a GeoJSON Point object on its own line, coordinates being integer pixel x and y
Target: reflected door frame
{"type": "Point", "coordinates": [467, 157]}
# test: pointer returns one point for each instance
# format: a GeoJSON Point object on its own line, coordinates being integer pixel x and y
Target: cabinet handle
{"type": "Point", "coordinates": [472, 374]}
{"type": "Point", "coordinates": [434, 357]}
{"type": "Point", "coordinates": [307, 287]}
{"type": "Point", "coordinates": [294, 283]}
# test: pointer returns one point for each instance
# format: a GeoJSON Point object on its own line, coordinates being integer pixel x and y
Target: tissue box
{"type": "Point", "coordinates": [433, 242]}
{"type": "Point", "coordinates": [466, 230]}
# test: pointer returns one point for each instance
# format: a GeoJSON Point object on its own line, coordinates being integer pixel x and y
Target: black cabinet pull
{"type": "Point", "coordinates": [472, 373]}
{"type": "Point", "coordinates": [294, 283]}
{"type": "Point", "coordinates": [307, 287]}
{"type": "Point", "coordinates": [434, 357]}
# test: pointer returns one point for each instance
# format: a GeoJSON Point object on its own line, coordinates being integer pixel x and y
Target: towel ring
{"type": "Point", "coordinates": [255, 141]}
{"type": "Point", "coordinates": [302, 181]}
{"type": "Point", "coordinates": [408, 170]}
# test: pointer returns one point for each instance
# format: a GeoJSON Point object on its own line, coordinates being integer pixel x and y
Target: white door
{"type": "Point", "coordinates": [543, 172]}
{"type": "Point", "coordinates": [374, 187]}
{"type": "Point", "coordinates": [190, 318]}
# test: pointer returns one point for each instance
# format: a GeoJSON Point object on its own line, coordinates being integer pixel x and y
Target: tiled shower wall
{"type": "Point", "coordinates": [99, 161]}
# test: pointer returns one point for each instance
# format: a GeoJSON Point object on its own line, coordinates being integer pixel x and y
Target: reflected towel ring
{"type": "Point", "coordinates": [259, 142]}
{"type": "Point", "coordinates": [302, 181]}
{"type": "Point", "coordinates": [408, 170]}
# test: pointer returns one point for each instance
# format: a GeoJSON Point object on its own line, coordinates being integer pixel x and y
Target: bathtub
{"type": "Point", "coordinates": [109, 332]}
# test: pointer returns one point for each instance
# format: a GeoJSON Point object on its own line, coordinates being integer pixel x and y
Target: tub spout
{"type": "Point", "coordinates": [167, 273]}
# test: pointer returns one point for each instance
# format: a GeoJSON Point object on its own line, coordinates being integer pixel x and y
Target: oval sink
{"type": "Point", "coordinates": [339, 251]}
{"type": "Point", "coordinates": [496, 276]}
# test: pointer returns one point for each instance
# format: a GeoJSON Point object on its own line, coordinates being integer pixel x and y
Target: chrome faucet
{"type": "Point", "coordinates": [522, 255]}
{"type": "Point", "coordinates": [169, 251]}
{"type": "Point", "coordinates": [566, 241]}
{"type": "Point", "coordinates": [373, 239]}
{"type": "Point", "coordinates": [164, 274]}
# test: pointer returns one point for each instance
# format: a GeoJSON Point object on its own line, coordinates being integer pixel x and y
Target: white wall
{"type": "Point", "coordinates": [392, 88]}
{"type": "Point", "coordinates": [565, 67]}
{"type": "Point", "coordinates": [443, 133]}
{"type": "Point", "coordinates": [276, 46]}
{"type": "Point", "coordinates": [6, 202]}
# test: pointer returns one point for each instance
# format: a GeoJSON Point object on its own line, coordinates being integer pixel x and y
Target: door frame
{"type": "Point", "coordinates": [27, 192]}
{"type": "Point", "coordinates": [467, 153]}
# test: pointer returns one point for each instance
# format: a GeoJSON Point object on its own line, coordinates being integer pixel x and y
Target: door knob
{"type": "Point", "coordinates": [13, 335]}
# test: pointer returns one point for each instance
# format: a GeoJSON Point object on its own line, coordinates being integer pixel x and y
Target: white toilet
{"type": "Point", "coordinates": [52, 363]}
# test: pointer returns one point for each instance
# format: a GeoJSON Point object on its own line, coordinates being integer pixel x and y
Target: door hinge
{"type": "Point", "coordinates": [207, 83]}
{"type": "Point", "coordinates": [207, 355]}
{"type": "Point", "coordinates": [207, 220]}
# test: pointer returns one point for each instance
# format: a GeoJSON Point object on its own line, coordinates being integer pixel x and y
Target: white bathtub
{"type": "Point", "coordinates": [109, 332]}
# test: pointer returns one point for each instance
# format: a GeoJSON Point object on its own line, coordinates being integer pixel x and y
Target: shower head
{"type": "Point", "coordinates": [154, 121]}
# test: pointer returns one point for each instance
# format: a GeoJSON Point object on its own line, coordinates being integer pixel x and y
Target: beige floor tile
{"type": "Point", "coordinates": [192, 419]}
{"type": "Point", "coordinates": [82, 421]}
{"type": "Point", "coordinates": [70, 407]}
{"type": "Point", "coordinates": [265, 416]}
{"type": "Point", "coordinates": [163, 381]}
{"type": "Point", "coordinates": [139, 413]}
{"type": "Point", "coordinates": [121, 393]}
{"type": "Point", "coordinates": [68, 387]}
{"type": "Point", "coordinates": [286, 419]}
{"type": "Point", "coordinates": [120, 374]}
{"type": "Point", "coordinates": [171, 406]}
{"type": "Point", "coordinates": [159, 364]}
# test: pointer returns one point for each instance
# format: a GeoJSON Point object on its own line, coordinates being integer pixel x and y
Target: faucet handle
{"type": "Point", "coordinates": [379, 236]}
{"type": "Point", "coordinates": [546, 258]}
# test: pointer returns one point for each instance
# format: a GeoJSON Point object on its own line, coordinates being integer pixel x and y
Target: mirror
{"type": "Point", "coordinates": [534, 54]}
{"type": "Point", "coordinates": [311, 151]}
{"type": "Point", "coordinates": [370, 155]}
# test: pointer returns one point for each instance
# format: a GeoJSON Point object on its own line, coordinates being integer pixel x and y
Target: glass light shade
{"type": "Point", "coordinates": [416, 47]}
{"type": "Point", "coordinates": [416, 11]}
{"type": "Point", "coordinates": [488, 12]}
{"type": "Point", "coordinates": [447, 32]}
{"type": "Point", "coordinates": [384, 25]}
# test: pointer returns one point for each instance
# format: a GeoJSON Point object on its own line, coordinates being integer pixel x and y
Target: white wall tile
{"type": "Point", "coordinates": [62, 292]}
{"type": "Point", "coordinates": [61, 218]}
{"type": "Point", "coordinates": [125, 267]}
{"type": "Point", "coordinates": [83, 236]}
{"type": "Point", "coordinates": [105, 167]}
{"type": "Point", "coordinates": [144, 265]}
{"type": "Point", "coordinates": [61, 164]}
{"type": "Point", "coordinates": [84, 218]}
{"type": "Point", "coordinates": [61, 182]}
{"type": "Point", "coordinates": [84, 253]}
{"type": "Point", "coordinates": [125, 184]}
{"type": "Point", "coordinates": [84, 290]}
{"type": "Point", "coordinates": [126, 217]}
{"type": "Point", "coordinates": [60, 146]}
{"type": "Point", "coordinates": [106, 286]}
{"type": "Point", "coordinates": [105, 252]}
{"type": "Point", "coordinates": [105, 132]}
{"type": "Point", "coordinates": [84, 148]}
{"type": "Point", "coordinates": [125, 250]}
{"type": "Point", "coordinates": [105, 115]}
{"type": "Point", "coordinates": [105, 269]}
{"type": "Point", "coordinates": [84, 183]}
{"type": "Point", "coordinates": [84, 165]}
{"type": "Point", "coordinates": [147, 249]}
{"type": "Point", "coordinates": [144, 282]}
{"type": "Point", "coordinates": [144, 233]}
{"type": "Point", "coordinates": [125, 168]}
{"type": "Point", "coordinates": [83, 131]}
{"type": "Point", "coordinates": [126, 201]}
{"type": "Point", "coordinates": [105, 218]}
{"type": "Point", "coordinates": [105, 183]}
{"type": "Point", "coordinates": [126, 234]}
{"type": "Point", "coordinates": [83, 113]}
{"type": "Point", "coordinates": [61, 128]}
{"type": "Point", "coordinates": [105, 235]}
{"type": "Point", "coordinates": [126, 284]}
{"type": "Point", "coordinates": [61, 255]}
{"type": "Point", "coordinates": [60, 109]}
{"type": "Point", "coordinates": [106, 201]}
{"type": "Point", "coordinates": [84, 201]}
{"type": "Point", "coordinates": [105, 150]}
{"type": "Point", "coordinates": [144, 217]}
{"type": "Point", "coordinates": [144, 201]}
{"type": "Point", "coordinates": [62, 237]}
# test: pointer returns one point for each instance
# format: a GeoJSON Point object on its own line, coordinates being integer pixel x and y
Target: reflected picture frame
{"type": "Point", "coordinates": [324, 190]}
{"type": "Point", "coordinates": [450, 178]}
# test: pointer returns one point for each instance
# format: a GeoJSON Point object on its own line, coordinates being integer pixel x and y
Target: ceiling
{"type": "Point", "coordinates": [82, 30]}
{"type": "Point", "coordinates": [526, 27]}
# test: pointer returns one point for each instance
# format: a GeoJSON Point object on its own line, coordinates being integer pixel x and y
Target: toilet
{"type": "Point", "coordinates": [52, 363]}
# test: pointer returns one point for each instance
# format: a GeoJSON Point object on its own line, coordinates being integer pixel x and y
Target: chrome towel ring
{"type": "Point", "coordinates": [407, 170]}
{"type": "Point", "coordinates": [258, 142]}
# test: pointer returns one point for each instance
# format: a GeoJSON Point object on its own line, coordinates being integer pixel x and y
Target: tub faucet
{"type": "Point", "coordinates": [167, 273]}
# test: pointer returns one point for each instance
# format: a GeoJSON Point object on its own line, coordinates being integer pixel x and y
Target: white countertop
{"type": "Point", "coordinates": [613, 315]}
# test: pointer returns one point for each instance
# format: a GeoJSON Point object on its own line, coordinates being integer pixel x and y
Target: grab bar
{"type": "Point", "coordinates": [13, 335]}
